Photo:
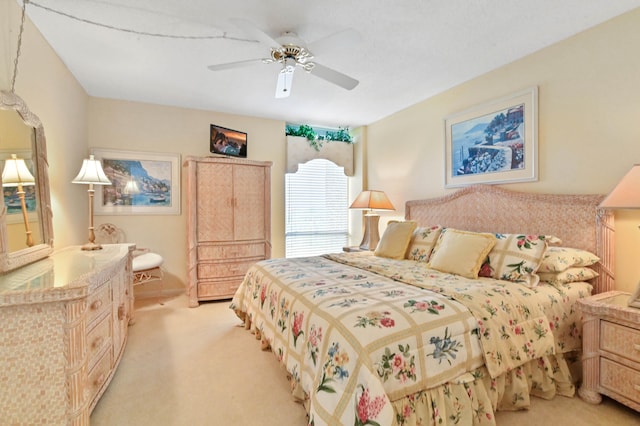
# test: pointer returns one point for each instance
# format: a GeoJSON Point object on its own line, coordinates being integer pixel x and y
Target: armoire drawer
{"type": "Point", "coordinates": [230, 251]}
{"type": "Point", "coordinates": [222, 289]}
{"type": "Point", "coordinates": [224, 269]}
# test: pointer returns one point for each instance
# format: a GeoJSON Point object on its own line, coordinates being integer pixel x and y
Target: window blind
{"type": "Point", "coordinates": [316, 209]}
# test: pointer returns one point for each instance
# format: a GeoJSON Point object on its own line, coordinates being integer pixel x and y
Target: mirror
{"type": "Point", "coordinates": [22, 134]}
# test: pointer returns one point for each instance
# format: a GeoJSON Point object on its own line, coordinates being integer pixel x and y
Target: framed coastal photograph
{"type": "Point", "coordinates": [141, 183]}
{"type": "Point", "coordinates": [495, 142]}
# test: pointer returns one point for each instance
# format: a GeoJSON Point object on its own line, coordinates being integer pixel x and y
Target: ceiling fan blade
{"type": "Point", "coordinates": [252, 31]}
{"type": "Point", "coordinates": [340, 39]}
{"type": "Point", "coordinates": [285, 80]}
{"type": "Point", "coordinates": [334, 76]}
{"type": "Point", "coordinates": [230, 65]}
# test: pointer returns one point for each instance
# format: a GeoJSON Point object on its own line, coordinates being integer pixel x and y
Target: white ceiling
{"type": "Point", "coordinates": [409, 50]}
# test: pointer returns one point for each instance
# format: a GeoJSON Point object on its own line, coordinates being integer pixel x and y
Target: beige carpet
{"type": "Point", "coordinates": [198, 366]}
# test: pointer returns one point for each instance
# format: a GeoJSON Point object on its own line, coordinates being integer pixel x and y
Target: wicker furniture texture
{"type": "Point", "coordinates": [63, 329]}
{"type": "Point", "coordinates": [229, 223]}
{"type": "Point", "coordinates": [611, 349]}
{"type": "Point", "coordinates": [575, 219]}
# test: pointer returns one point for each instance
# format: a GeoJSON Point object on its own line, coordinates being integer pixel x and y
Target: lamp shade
{"type": "Point", "coordinates": [626, 195]}
{"type": "Point", "coordinates": [16, 173]}
{"type": "Point", "coordinates": [91, 172]}
{"type": "Point", "coordinates": [373, 200]}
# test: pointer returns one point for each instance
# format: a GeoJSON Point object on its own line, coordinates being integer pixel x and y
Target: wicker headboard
{"type": "Point", "coordinates": [575, 219]}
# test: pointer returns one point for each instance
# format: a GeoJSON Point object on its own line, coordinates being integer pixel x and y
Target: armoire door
{"type": "Point", "coordinates": [249, 203]}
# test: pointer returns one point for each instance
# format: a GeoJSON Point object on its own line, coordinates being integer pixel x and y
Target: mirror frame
{"type": "Point", "coordinates": [12, 260]}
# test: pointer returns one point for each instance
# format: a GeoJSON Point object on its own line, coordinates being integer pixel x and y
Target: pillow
{"type": "Point", "coordinates": [558, 259]}
{"type": "Point", "coordinates": [395, 239]}
{"type": "Point", "coordinates": [515, 257]}
{"type": "Point", "coordinates": [570, 275]}
{"type": "Point", "coordinates": [461, 252]}
{"type": "Point", "coordinates": [422, 243]}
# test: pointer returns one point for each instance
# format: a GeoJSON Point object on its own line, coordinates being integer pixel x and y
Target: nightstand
{"type": "Point", "coordinates": [611, 349]}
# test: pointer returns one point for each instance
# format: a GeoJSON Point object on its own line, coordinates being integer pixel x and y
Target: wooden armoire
{"type": "Point", "coordinates": [229, 223]}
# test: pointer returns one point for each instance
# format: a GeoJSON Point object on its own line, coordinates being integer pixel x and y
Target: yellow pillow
{"type": "Point", "coordinates": [461, 252]}
{"type": "Point", "coordinates": [395, 239]}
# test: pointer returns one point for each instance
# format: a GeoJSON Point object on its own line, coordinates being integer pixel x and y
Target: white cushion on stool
{"type": "Point", "coordinates": [146, 261]}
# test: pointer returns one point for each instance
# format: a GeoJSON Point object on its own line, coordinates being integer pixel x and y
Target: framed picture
{"type": "Point", "coordinates": [141, 183]}
{"type": "Point", "coordinates": [496, 142]}
{"type": "Point", "coordinates": [227, 142]}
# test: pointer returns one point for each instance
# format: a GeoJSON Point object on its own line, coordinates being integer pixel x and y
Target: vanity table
{"type": "Point", "coordinates": [63, 329]}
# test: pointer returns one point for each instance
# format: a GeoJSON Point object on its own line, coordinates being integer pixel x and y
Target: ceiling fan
{"type": "Point", "coordinates": [292, 52]}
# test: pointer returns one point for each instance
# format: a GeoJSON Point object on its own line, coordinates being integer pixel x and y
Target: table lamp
{"type": "Point", "coordinates": [371, 200]}
{"type": "Point", "coordinates": [16, 174]}
{"type": "Point", "coordinates": [91, 173]}
{"type": "Point", "coordinates": [626, 195]}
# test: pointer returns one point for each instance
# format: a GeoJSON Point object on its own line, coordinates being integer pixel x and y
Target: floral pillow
{"type": "Point", "coordinates": [515, 257]}
{"type": "Point", "coordinates": [570, 275]}
{"type": "Point", "coordinates": [558, 259]}
{"type": "Point", "coordinates": [422, 243]}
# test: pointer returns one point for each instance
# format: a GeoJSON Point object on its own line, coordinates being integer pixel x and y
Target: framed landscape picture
{"type": "Point", "coordinates": [141, 183]}
{"type": "Point", "coordinates": [496, 142]}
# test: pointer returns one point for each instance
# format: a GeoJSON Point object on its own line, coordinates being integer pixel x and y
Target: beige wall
{"type": "Point", "coordinates": [589, 135]}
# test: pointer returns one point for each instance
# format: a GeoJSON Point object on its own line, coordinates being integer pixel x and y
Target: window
{"type": "Point", "coordinates": [316, 209]}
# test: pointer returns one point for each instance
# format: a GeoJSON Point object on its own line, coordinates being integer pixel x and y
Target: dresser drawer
{"type": "Point", "coordinates": [98, 302]}
{"type": "Point", "coordinates": [620, 340]}
{"type": "Point", "coordinates": [99, 374]}
{"type": "Point", "coordinates": [224, 269]}
{"type": "Point", "coordinates": [620, 379]}
{"type": "Point", "coordinates": [222, 289]}
{"type": "Point", "coordinates": [97, 339]}
{"type": "Point", "coordinates": [231, 251]}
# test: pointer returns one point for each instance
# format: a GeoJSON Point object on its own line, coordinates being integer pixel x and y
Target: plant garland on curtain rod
{"type": "Point", "coordinates": [316, 137]}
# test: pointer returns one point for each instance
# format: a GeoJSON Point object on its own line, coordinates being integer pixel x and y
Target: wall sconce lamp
{"type": "Point", "coordinates": [16, 174]}
{"type": "Point", "coordinates": [626, 195]}
{"type": "Point", "coordinates": [91, 173]}
{"type": "Point", "coordinates": [371, 200]}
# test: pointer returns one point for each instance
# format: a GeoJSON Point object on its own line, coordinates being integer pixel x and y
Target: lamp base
{"type": "Point", "coordinates": [371, 236]}
{"type": "Point", "coordinates": [91, 246]}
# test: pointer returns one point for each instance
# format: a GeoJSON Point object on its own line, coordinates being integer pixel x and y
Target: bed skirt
{"type": "Point", "coordinates": [473, 398]}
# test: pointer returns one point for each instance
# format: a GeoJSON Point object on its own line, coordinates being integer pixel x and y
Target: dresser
{"type": "Point", "coordinates": [611, 349]}
{"type": "Point", "coordinates": [63, 329]}
{"type": "Point", "coordinates": [229, 223]}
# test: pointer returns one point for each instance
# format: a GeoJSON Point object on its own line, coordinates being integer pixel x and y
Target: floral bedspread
{"type": "Point", "coordinates": [354, 339]}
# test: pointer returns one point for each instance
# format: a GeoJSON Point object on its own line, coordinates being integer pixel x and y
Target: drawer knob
{"type": "Point", "coordinates": [96, 305]}
{"type": "Point", "coordinates": [97, 342]}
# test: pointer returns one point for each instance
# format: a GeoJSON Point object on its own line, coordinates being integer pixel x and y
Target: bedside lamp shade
{"type": "Point", "coordinates": [626, 194]}
{"type": "Point", "coordinates": [91, 173]}
{"type": "Point", "coordinates": [371, 200]}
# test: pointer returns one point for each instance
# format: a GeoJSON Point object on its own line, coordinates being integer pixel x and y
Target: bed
{"type": "Point", "coordinates": [416, 338]}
